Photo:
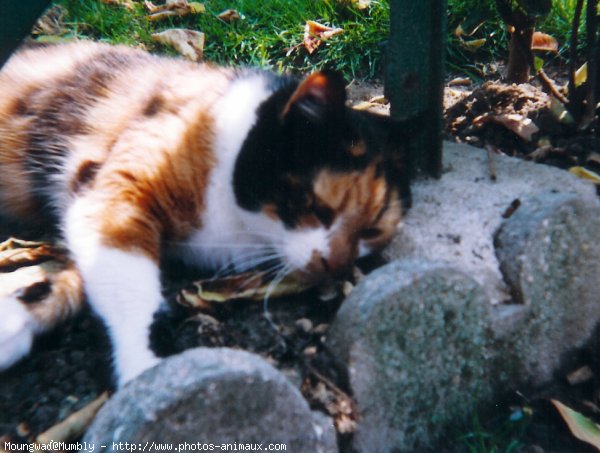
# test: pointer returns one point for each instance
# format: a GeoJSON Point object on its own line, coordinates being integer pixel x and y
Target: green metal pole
{"type": "Point", "coordinates": [414, 76]}
{"type": "Point", "coordinates": [16, 19]}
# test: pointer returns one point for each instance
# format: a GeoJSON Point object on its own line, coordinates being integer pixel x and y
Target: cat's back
{"type": "Point", "coordinates": [72, 103]}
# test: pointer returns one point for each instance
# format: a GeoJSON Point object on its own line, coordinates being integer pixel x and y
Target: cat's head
{"type": "Point", "coordinates": [326, 183]}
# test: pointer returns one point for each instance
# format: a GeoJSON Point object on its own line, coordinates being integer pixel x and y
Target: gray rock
{"type": "Point", "coordinates": [326, 432]}
{"type": "Point", "coordinates": [549, 253]}
{"type": "Point", "coordinates": [474, 304]}
{"type": "Point", "coordinates": [454, 219]}
{"type": "Point", "coordinates": [202, 396]}
{"type": "Point", "coordinates": [414, 336]}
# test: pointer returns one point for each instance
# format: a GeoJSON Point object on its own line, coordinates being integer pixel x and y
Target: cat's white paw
{"type": "Point", "coordinates": [16, 332]}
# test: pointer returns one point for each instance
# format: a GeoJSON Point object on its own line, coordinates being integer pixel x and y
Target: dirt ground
{"type": "Point", "coordinates": [71, 366]}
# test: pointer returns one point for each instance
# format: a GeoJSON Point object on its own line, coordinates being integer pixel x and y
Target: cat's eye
{"type": "Point", "coordinates": [369, 233]}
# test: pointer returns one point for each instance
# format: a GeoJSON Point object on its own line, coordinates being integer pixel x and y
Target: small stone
{"type": "Point", "coordinates": [325, 430]}
{"type": "Point", "coordinates": [310, 351]}
{"type": "Point", "coordinates": [347, 288]}
{"type": "Point", "coordinates": [321, 329]}
{"type": "Point", "coordinates": [304, 324]}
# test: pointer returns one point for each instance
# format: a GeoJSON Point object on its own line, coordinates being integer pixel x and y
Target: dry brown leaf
{"type": "Point", "coordinates": [522, 126]}
{"type": "Point", "coordinates": [542, 41]}
{"type": "Point", "coordinates": [315, 33]}
{"type": "Point", "coordinates": [365, 105]}
{"type": "Point", "coordinates": [173, 8]}
{"type": "Point", "coordinates": [460, 81]}
{"type": "Point", "coordinates": [189, 43]}
{"type": "Point", "coordinates": [379, 99]}
{"type": "Point", "coordinates": [25, 265]}
{"type": "Point", "coordinates": [247, 285]}
{"type": "Point", "coordinates": [321, 391]}
{"type": "Point", "coordinates": [16, 253]}
{"type": "Point", "coordinates": [473, 44]}
{"type": "Point", "coordinates": [358, 4]}
{"type": "Point", "coordinates": [51, 23]}
{"type": "Point", "coordinates": [129, 4]}
{"type": "Point", "coordinates": [361, 4]}
{"type": "Point", "coordinates": [229, 15]}
{"type": "Point", "coordinates": [74, 425]}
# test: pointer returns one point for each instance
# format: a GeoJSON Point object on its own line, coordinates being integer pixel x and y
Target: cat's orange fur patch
{"type": "Point", "coordinates": [366, 201]}
{"type": "Point", "coordinates": [139, 134]}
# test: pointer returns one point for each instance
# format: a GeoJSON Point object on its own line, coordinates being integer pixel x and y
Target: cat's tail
{"type": "Point", "coordinates": [25, 312]}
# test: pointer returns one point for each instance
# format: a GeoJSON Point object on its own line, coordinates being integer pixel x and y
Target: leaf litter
{"type": "Point", "coordinates": [216, 313]}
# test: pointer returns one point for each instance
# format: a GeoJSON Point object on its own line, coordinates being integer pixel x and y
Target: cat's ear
{"type": "Point", "coordinates": [319, 96]}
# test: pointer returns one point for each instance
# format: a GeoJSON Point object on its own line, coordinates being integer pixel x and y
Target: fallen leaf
{"type": "Point", "coordinates": [581, 75]}
{"type": "Point", "coordinates": [469, 26]}
{"type": "Point", "coordinates": [189, 43]}
{"type": "Point", "coordinates": [522, 126]}
{"type": "Point", "coordinates": [125, 3]}
{"type": "Point", "coordinates": [473, 45]}
{"type": "Point", "coordinates": [361, 4]}
{"type": "Point", "coordinates": [229, 15]}
{"type": "Point", "coordinates": [74, 425]}
{"type": "Point", "coordinates": [51, 23]}
{"type": "Point", "coordinates": [173, 8]}
{"type": "Point", "coordinates": [379, 99]}
{"type": "Point", "coordinates": [584, 173]}
{"type": "Point", "coordinates": [544, 42]}
{"type": "Point", "coordinates": [580, 426]}
{"type": "Point", "coordinates": [365, 105]}
{"type": "Point", "coordinates": [460, 81]}
{"type": "Point", "coordinates": [358, 4]}
{"type": "Point", "coordinates": [315, 33]}
{"type": "Point", "coordinates": [560, 112]}
{"type": "Point", "coordinates": [16, 253]}
{"type": "Point", "coordinates": [247, 285]}
{"type": "Point", "coordinates": [324, 393]}
{"type": "Point", "coordinates": [376, 102]}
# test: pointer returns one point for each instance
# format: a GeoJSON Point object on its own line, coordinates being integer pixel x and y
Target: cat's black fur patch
{"type": "Point", "coordinates": [294, 148]}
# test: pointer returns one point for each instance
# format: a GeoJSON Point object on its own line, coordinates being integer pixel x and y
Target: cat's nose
{"type": "Point", "coordinates": [337, 265]}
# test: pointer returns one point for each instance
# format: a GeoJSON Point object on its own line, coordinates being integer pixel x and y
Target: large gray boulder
{"type": "Point", "coordinates": [454, 219]}
{"type": "Point", "coordinates": [414, 336]}
{"type": "Point", "coordinates": [549, 254]}
{"type": "Point", "coordinates": [209, 396]}
{"type": "Point", "coordinates": [478, 298]}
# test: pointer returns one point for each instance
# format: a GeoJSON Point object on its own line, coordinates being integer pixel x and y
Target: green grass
{"type": "Point", "coordinates": [499, 435]}
{"type": "Point", "coordinates": [268, 36]}
{"type": "Point", "coordinates": [271, 36]}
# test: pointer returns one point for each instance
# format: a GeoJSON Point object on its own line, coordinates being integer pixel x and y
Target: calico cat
{"type": "Point", "coordinates": [130, 156]}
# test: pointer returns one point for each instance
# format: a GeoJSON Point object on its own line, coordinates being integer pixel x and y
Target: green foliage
{"type": "Point", "coordinates": [271, 37]}
{"type": "Point", "coordinates": [268, 37]}
{"type": "Point", "coordinates": [500, 434]}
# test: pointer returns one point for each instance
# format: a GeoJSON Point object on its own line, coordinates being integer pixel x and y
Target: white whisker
{"type": "Point", "coordinates": [283, 272]}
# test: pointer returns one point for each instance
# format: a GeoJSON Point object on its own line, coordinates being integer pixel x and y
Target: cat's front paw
{"type": "Point", "coordinates": [16, 332]}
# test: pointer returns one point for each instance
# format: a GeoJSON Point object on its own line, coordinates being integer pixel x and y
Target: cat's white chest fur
{"type": "Point", "coordinates": [230, 235]}
{"type": "Point", "coordinates": [223, 233]}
